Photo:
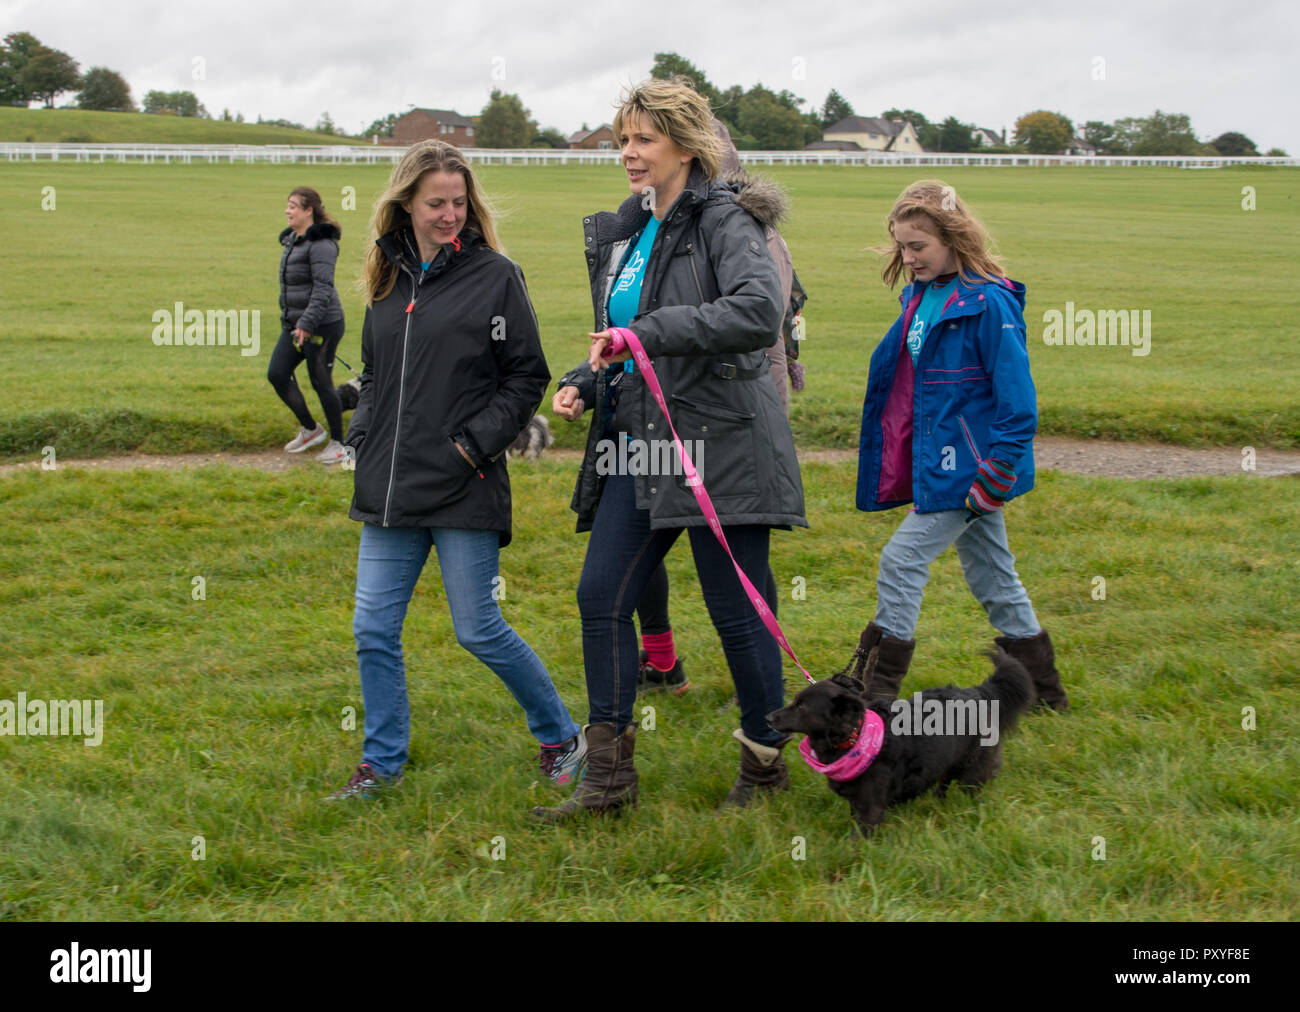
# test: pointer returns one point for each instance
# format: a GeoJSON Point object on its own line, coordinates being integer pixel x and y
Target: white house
{"type": "Point", "coordinates": [873, 134]}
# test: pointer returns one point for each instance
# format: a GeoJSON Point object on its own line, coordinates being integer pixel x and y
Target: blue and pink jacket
{"type": "Point", "coordinates": [925, 428]}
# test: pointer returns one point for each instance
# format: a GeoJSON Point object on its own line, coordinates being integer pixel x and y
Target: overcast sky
{"type": "Point", "coordinates": [1229, 66]}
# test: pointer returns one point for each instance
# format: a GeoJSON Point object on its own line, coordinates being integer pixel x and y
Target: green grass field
{"type": "Point", "coordinates": [72, 126]}
{"type": "Point", "coordinates": [83, 281]}
{"type": "Point", "coordinates": [224, 716]}
{"type": "Point", "coordinates": [223, 719]}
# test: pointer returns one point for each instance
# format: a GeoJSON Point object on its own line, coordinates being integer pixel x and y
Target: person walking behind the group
{"type": "Point", "coordinates": [311, 321]}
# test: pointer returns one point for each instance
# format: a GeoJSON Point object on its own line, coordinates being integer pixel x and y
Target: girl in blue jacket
{"type": "Point", "coordinates": [948, 425]}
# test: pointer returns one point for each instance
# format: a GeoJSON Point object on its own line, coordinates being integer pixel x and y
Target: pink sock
{"type": "Point", "coordinates": [659, 648]}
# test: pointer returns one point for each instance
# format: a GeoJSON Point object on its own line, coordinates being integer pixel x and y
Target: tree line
{"type": "Point", "coordinates": [31, 71]}
{"type": "Point", "coordinates": [758, 118]}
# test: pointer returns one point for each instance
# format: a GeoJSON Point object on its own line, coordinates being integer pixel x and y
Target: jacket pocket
{"type": "Point", "coordinates": [721, 446]}
{"type": "Point", "coordinates": [436, 476]}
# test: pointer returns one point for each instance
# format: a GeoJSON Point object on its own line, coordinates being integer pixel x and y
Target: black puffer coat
{"type": "Point", "coordinates": [710, 303]}
{"type": "Point", "coordinates": [452, 353]}
{"type": "Point", "coordinates": [308, 298]}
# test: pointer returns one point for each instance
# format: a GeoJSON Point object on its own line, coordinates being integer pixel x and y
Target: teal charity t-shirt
{"type": "Point", "coordinates": [625, 297]}
{"type": "Point", "coordinates": [930, 309]}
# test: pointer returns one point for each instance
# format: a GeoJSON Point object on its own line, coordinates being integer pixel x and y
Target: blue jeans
{"type": "Point", "coordinates": [388, 566]}
{"type": "Point", "coordinates": [622, 555]}
{"type": "Point", "coordinates": [986, 562]}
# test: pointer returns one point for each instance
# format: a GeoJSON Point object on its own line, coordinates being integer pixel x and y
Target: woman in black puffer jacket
{"type": "Point", "coordinates": [311, 321]}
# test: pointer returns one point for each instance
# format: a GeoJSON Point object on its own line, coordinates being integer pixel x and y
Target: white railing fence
{"type": "Point", "coordinates": [373, 154]}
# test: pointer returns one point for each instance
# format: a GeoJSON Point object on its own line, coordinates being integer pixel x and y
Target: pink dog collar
{"type": "Point", "coordinates": [854, 762]}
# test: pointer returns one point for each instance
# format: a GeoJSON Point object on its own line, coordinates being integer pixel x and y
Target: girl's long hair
{"type": "Point", "coordinates": [944, 215]}
{"type": "Point", "coordinates": [379, 275]}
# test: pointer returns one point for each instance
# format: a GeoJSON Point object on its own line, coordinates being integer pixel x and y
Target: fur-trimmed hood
{"type": "Point", "coordinates": [320, 230]}
{"type": "Point", "coordinates": [760, 196]}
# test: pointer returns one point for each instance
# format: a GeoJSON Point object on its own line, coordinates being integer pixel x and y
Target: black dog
{"type": "Point", "coordinates": [929, 740]}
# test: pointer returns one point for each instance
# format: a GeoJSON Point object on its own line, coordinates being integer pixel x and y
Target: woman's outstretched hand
{"type": "Point", "coordinates": [598, 344]}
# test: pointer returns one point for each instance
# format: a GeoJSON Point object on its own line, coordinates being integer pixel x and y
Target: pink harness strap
{"type": "Point", "coordinates": [633, 343]}
{"type": "Point", "coordinates": [854, 762]}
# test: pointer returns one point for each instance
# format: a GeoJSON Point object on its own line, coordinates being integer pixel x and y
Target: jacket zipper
{"type": "Point", "coordinates": [970, 441]}
{"type": "Point", "coordinates": [690, 252]}
{"type": "Point", "coordinates": [401, 391]}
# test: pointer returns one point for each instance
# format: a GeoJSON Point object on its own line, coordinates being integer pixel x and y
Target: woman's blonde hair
{"type": "Point", "coordinates": [942, 214]}
{"type": "Point", "coordinates": [680, 113]}
{"type": "Point", "coordinates": [379, 274]}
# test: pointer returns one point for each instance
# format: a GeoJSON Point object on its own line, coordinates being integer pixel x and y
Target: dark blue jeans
{"type": "Point", "coordinates": [622, 554]}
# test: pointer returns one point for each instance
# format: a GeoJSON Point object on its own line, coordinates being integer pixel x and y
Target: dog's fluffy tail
{"type": "Point", "coordinates": [1011, 685]}
{"type": "Point", "coordinates": [547, 438]}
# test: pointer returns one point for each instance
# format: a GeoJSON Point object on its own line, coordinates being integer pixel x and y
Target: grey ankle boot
{"type": "Point", "coordinates": [761, 769]}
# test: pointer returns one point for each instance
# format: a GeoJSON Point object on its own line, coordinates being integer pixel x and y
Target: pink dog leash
{"type": "Point", "coordinates": [625, 340]}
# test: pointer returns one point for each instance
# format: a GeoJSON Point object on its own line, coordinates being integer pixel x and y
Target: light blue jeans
{"type": "Point", "coordinates": [388, 565]}
{"type": "Point", "coordinates": [986, 562]}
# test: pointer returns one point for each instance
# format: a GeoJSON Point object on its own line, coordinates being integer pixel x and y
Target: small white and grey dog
{"type": "Point", "coordinates": [535, 438]}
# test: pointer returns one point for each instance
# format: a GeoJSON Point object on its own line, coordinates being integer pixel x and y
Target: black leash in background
{"type": "Point", "coordinates": [347, 367]}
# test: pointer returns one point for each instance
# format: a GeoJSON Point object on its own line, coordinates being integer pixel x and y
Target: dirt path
{"type": "Point", "coordinates": [1073, 456]}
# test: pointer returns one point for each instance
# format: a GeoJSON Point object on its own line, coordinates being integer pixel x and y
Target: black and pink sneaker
{"type": "Point", "coordinates": [365, 784]}
{"type": "Point", "coordinates": [651, 679]}
{"type": "Point", "coordinates": [566, 762]}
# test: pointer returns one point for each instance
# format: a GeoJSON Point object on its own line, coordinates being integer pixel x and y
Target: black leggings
{"type": "Point", "coordinates": [320, 364]}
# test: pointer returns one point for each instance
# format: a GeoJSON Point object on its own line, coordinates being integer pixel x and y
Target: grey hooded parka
{"type": "Point", "coordinates": [710, 305]}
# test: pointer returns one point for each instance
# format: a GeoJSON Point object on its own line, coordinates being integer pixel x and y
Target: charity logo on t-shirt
{"type": "Point", "coordinates": [627, 277]}
{"type": "Point", "coordinates": [916, 336]}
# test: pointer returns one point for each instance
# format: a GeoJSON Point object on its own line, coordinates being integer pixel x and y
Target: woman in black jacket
{"type": "Point", "coordinates": [686, 269]}
{"type": "Point", "coordinates": [453, 370]}
{"type": "Point", "coordinates": [311, 320]}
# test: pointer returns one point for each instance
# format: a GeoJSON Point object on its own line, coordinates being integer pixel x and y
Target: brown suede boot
{"type": "Point", "coordinates": [610, 781]}
{"type": "Point", "coordinates": [880, 662]}
{"type": "Point", "coordinates": [761, 769]}
{"type": "Point", "coordinates": [1039, 659]}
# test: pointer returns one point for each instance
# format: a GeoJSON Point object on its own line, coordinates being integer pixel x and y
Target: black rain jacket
{"type": "Point", "coordinates": [453, 353]}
